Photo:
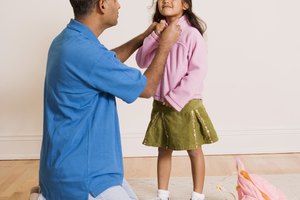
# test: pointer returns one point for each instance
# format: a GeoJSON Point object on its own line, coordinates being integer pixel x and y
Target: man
{"type": "Point", "coordinates": [81, 156]}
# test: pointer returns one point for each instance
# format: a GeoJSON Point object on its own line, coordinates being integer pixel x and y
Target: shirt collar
{"type": "Point", "coordinates": [83, 29]}
{"type": "Point", "coordinates": [183, 21]}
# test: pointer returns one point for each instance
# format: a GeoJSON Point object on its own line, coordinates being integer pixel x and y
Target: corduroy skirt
{"type": "Point", "coordinates": [185, 130]}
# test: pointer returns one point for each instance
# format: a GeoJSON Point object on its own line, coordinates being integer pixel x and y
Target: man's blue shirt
{"type": "Point", "coordinates": [81, 149]}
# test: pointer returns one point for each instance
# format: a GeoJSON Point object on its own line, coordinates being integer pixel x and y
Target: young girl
{"type": "Point", "coordinates": [178, 119]}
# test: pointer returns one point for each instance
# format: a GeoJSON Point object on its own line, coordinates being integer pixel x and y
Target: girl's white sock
{"type": "Point", "coordinates": [197, 196]}
{"type": "Point", "coordinates": [163, 194]}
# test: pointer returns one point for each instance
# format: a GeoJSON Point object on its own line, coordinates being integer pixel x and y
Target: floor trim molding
{"type": "Point", "coordinates": [231, 142]}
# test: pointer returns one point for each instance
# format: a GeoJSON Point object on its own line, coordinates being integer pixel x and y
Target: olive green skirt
{"type": "Point", "coordinates": [184, 130]}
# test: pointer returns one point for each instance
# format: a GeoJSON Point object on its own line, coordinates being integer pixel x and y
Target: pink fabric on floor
{"type": "Point", "coordinates": [254, 187]}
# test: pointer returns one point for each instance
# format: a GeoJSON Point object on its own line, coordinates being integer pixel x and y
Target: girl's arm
{"type": "Point", "coordinates": [156, 68]}
{"type": "Point", "coordinates": [147, 51]}
{"type": "Point", "coordinates": [191, 84]}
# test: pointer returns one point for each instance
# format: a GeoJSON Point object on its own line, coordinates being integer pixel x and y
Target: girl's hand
{"type": "Point", "coordinates": [160, 27]}
{"type": "Point", "coordinates": [166, 103]}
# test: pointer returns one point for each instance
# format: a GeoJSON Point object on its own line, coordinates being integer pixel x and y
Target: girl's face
{"type": "Point", "coordinates": [171, 8]}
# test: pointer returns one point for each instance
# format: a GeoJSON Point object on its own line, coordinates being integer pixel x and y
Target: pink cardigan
{"type": "Point", "coordinates": [185, 69]}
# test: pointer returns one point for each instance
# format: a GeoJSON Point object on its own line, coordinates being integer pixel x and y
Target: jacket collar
{"type": "Point", "coordinates": [183, 21]}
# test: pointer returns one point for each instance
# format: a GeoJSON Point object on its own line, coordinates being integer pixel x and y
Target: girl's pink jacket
{"type": "Point", "coordinates": [185, 69]}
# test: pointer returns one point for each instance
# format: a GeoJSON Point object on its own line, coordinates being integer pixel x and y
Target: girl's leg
{"type": "Point", "coordinates": [198, 169]}
{"type": "Point", "coordinates": [164, 163]}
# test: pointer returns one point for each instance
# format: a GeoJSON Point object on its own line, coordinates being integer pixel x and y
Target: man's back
{"type": "Point", "coordinates": [81, 150]}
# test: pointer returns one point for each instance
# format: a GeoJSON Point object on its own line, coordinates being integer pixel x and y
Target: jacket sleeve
{"type": "Point", "coordinates": [191, 84]}
{"type": "Point", "coordinates": [147, 51]}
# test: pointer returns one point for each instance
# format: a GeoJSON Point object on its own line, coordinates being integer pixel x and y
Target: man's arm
{"type": "Point", "coordinates": [126, 50]}
{"type": "Point", "coordinates": [155, 71]}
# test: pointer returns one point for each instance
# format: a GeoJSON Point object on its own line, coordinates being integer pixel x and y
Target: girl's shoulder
{"type": "Point", "coordinates": [190, 35]}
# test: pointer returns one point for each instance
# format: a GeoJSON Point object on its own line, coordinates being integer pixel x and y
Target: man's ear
{"type": "Point", "coordinates": [102, 4]}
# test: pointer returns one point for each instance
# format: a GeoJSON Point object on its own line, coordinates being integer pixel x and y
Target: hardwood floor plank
{"type": "Point", "coordinates": [18, 196]}
{"type": "Point", "coordinates": [19, 176]}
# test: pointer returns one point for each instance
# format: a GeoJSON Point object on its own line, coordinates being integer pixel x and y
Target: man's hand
{"type": "Point", "coordinates": [170, 35]}
{"type": "Point", "coordinates": [155, 71]}
{"type": "Point", "coordinates": [124, 51]}
{"type": "Point", "coordinates": [160, 27]}
{"type": "Point", "coordinates": [149, 30]}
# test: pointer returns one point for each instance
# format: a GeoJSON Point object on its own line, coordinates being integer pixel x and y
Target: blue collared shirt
{"type": "Point", "coordinates": [81, 149]}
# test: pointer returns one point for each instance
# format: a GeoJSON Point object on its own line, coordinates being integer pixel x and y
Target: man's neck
{"type": "Point", "coordinates": [94, 24]}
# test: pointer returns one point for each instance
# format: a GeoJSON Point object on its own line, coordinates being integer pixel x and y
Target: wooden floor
{"type": "Point", "coordinates": [18, 176]}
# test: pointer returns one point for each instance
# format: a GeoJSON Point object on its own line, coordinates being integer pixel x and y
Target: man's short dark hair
{"type": "Point", "coordinates": [82, 8]}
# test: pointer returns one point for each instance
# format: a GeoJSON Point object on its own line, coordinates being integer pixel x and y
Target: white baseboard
{"type": "Point", "coordinates": [20, 147]}
{"type": "Point", "coordinates": [230, 142]}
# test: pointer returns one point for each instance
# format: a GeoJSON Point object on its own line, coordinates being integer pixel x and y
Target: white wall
{"type": "Point", "coordinates": [252, 89]}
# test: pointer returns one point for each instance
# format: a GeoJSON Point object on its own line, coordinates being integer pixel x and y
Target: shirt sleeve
{"type": "Point", "coordinates": [192, 83]}
{"type": "Point", "coordinates": [147, 51]}
{"type": "Point", "coordinates": [112, 76]}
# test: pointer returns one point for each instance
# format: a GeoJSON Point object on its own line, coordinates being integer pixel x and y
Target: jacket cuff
{"type": "Point", "coordinates": [173, 103]}
{"type": "Point", "coordinates": [154, 36]}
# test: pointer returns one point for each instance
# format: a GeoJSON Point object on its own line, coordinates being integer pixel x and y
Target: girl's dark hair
{"type": "Point", "coordinates": [194, 20]}
{"type": "Point", "coordinates": [82, 8]}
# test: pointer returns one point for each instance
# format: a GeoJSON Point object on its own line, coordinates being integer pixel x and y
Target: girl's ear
{"type": "Point", "coordinates": [185, 6]}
